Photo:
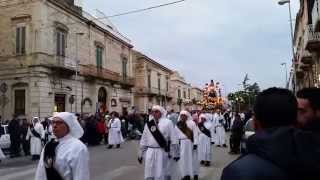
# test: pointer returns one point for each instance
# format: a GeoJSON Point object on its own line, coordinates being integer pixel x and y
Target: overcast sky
{"type": "Point", "coordinates": [210, 39]}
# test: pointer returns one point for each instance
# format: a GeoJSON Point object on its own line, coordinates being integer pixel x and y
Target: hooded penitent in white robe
{"type": "Point", "coordinates": [205, 142]}
{"type": "Point", "coordinates": [155, 158]}
{"type": "Point", "coordinates": [35, 142]}
{"type": "Point", "coordinates": [114, 136]}
{"type": "Point", "coordinates": [72, 157]}
{"type": "Point", "coordinates": [214, 122]}
{"type": "Point", "coordinates": [2, 156]}
{"type": "Point", "coordinates": [186, 162]}
{"type": "Point", "coordinates": [221, 132]}
{"type": "Point", "coordinates": [195, 153]}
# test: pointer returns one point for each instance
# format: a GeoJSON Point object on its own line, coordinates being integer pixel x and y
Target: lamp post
{"type": "Point", "coordinates": [77, 66]}
{"type": "Point", "coordinates": [283, 2]}
{"type": "Point", "coordinates": [286, 72]}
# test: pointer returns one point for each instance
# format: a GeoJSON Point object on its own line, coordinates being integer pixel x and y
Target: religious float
{"type": "Point", "coordinates": [212, 98]}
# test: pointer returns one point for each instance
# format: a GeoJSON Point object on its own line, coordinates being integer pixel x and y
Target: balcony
{"type": "Point", "coordinates": [153, 92]}
{"type": "Point", "coordinates": [315, 16]}
{"type": "Point", "coordinates": [312, 39]}
{"type": "Point", "coordinates": [127, 81]}
{"type": "Point", "coordinates": [93, 72]}
{"type": "Point", "coordinates": [306, 57]}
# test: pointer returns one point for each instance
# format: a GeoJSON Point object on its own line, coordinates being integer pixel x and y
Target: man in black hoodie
{"type": "Point", "coordinates": [277, 151]}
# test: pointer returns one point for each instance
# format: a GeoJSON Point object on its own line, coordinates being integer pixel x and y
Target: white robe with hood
{"type": "Point", "coordinates": [72, 156]}
{"type": "Point", "coordinates": [195, 153]}
{"type": "Point", "coordinates": [188, 162]}
{"type": "Point", "coordinates": [205, 142]}
{"type": "Point", "coordinates": [115, 135]}
{"type": "Point", "coordinates": [221, 132]}
{"type": "Point", "coordinates": [35, 142]}
{"type": "Point", "coordinates": [213, 120]}
{"type": "Point", "coordinates": [155, 158]}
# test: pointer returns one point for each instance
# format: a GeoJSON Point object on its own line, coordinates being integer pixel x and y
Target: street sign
{"type": "Point", "coordinates": [71, 99]}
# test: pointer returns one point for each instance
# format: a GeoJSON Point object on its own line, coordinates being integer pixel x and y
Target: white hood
{"type": "Point", "coordinates": [70, 119]}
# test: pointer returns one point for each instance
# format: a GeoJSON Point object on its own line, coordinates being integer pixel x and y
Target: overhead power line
{"type": "Point", "coordinates": [144, 9]}
{"type": "Point", "coordinates": [120, 14]}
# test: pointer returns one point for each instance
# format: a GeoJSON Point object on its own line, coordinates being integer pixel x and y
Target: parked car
{"type": "Point", "coordinates": [248, 131]}
{"type": "Point", "coordinates": [4, 137]}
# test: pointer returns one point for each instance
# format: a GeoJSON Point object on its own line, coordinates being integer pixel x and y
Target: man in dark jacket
{"type": "Point", "coordinates": [236, 134]}
{"type": "Point", "coordinates": [277, 151]}
{"type": "Point", "coordinates": [25, 142]}
{"type": "Point", "coordinates": [309, 109]}
{"type": "Point", "coordinates": [14, 131]}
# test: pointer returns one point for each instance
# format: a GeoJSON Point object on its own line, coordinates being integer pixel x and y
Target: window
{"type": "Point", "coordinates": [189, 93]}
{"type": "Point", "coordinates": [179, 93]}
{"type": "Point", "coordinates": [167, 84]}
{"type": "Point", "coordinates": [60, 102]}
{"type": "Point", "coordinates": [149, 79]}
{"type": "Point", "coordinates": [21, 40]}
{"type": "Point", "coordinates": [184, 94]}
{"type": "Point", "coordinates": [61, 43]}
{"type": "Point", "coordinates": [159, 82]}
{"type": "Point", "coordinates": [99, 54]}
{"type": "Point", "coordinates": [19, 102]}
{"type": "Point", "coordinates": [124, 68]}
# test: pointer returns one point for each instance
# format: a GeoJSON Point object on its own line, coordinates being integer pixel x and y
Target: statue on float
{"type": "Point", "coordinates": [212, 98]}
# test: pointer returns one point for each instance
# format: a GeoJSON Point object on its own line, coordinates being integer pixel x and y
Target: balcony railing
{"type": "Point", "coordinates": [102, 73]}
{"type": "Point", "coordinates": [51, 61]}
{"type": "Point", "coordinates": [312, 39]}
{"type": "Point", "coordinates": [153, 91]}
{"type": "Point", "coordinates": [94, 71]}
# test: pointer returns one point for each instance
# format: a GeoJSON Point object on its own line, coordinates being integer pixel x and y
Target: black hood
{"type": "Point", "coordinates": [295, 151]}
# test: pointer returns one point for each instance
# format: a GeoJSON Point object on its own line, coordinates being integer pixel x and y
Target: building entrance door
{"type": "Point", "coordinates": [19, 102]}
{"type": "Point", "coordinates": [102, 100]}
{"type": "Point", "coordinates": [60, 102]}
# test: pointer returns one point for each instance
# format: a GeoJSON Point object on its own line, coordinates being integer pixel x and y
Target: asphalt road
{"type": "Point", "coordinates": [114, 164]}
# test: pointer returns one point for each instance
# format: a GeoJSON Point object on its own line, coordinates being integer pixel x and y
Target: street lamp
{"type": "Point", "coordinates": [286, 72]}
{"type": "Point", "coordinates": [77, 66]}
{"type": "Point", "coordinates": [283, 2]}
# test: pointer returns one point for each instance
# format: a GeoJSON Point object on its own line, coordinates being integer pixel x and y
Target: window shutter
{"type": "Point", "coordinates": [97, 56]}
{"type": "Point", "coordinates": [18, 40]}
{"type": "Point", "coordinates": [23, 40]}
{"type": "Point", "coordinates": [149, 80]}
{"type": "Point", "coordinates": [99, 51]}
{"type": "Point", "coordinates": [63, 45]}
{"type": "Point", "coordinates": [100, 57]}
{"type": "Point", "coordinates": [58, 43]}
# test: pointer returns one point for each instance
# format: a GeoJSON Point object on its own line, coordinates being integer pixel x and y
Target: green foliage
{"type": "Point", "coordinates": [245, 98]}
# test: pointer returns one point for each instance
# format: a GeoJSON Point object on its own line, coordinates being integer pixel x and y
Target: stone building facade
{"type": "Point", "coordinates": [152, 83]}
{"type": "Point", "coordinates": [196, 97]}
{"type": "Point", "coordinates": [181, 92]}
{"type": "Point", "coordinates": [307, 45]}
{"type": "Point", "coordinates": [56, 57]}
